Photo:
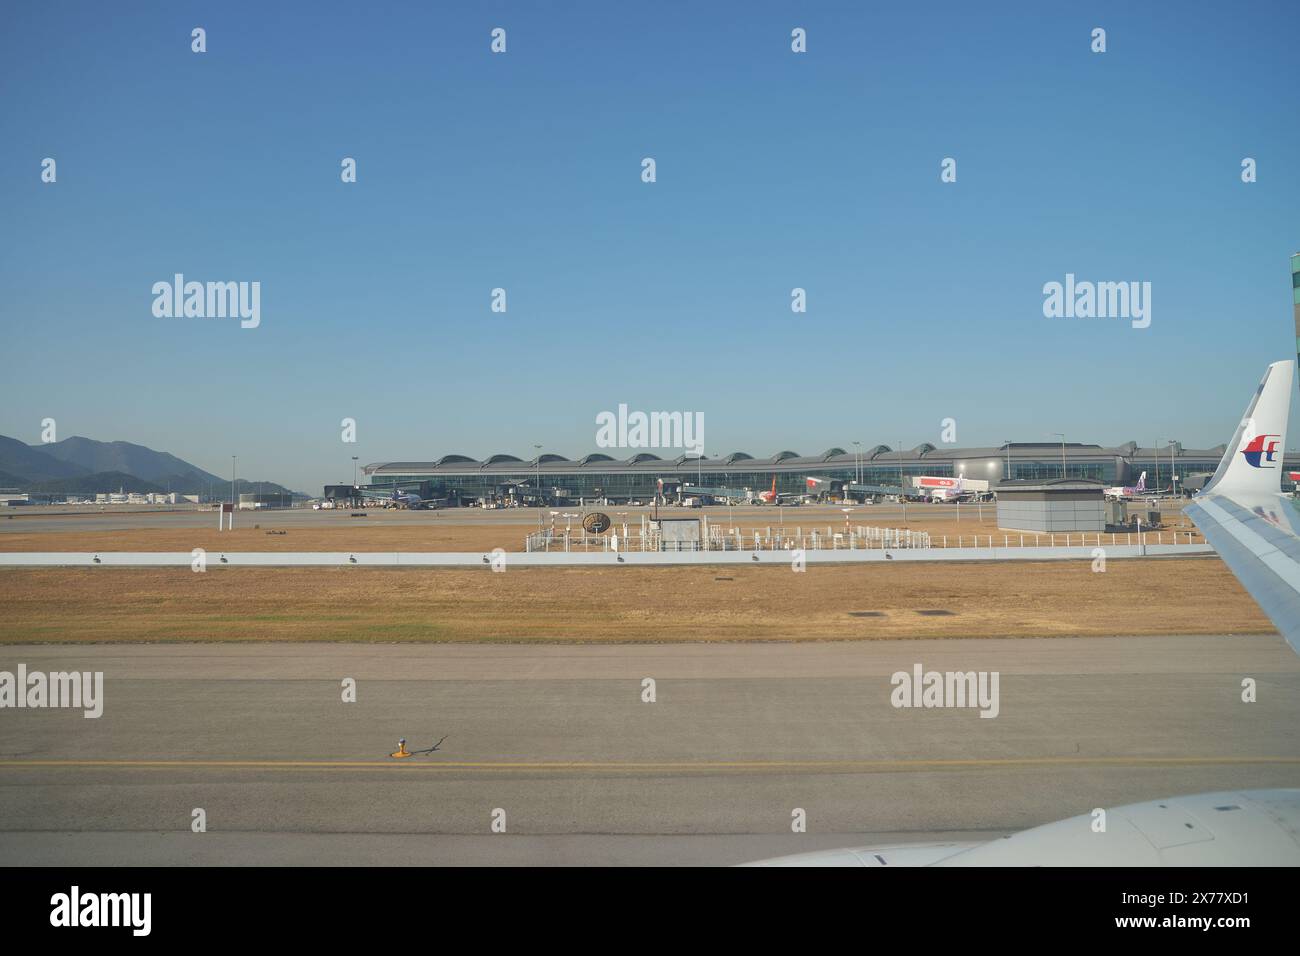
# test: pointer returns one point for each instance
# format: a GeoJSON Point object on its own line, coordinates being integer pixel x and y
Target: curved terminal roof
{"type": "Point", "coordinates": [786, 462]}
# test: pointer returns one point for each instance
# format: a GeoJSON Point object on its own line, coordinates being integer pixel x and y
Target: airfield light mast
{"type": "Point", "coordinates": [902, 491]}
{"type": "Point", "coordinates": [1173, 467]}
{"type": "Point", "coordinates": [1295, 297]}
{"type": "Point", "coordinates": [539, 486]}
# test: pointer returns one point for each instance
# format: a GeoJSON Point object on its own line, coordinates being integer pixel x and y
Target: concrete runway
{"type": "Point", "coordinates": [559, 738]}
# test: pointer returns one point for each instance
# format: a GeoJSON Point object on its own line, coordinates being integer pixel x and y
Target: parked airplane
{"type": "Point", "coordinates": [1129, 491]}
{"type": "Point", "coordinates": [944, 489]}
{"type": "Point", "coordinates": [774, 497]}
{"type": "Point", "coordinates": [933, 488]}
{"type": "Point", "coordinates": [400, 499]}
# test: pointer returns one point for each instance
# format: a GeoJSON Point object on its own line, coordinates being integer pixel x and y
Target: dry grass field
{"type": "Point", "coordinates": [879, 601]}
{"type": "Point", "coordinates": [345, 537]}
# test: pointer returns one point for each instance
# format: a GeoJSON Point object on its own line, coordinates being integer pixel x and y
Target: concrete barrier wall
{"type": "Point", "coordinates": [514, 559]}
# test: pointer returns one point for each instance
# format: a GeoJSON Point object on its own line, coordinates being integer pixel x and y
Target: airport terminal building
{"type": "Point", "coordinates": [463, 480]}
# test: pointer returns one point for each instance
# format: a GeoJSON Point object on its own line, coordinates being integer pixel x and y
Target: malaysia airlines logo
{"type": "Point", "coordinates": [1261, 449]}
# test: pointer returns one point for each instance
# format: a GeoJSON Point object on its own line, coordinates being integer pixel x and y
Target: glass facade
{"type": "Point", "coordinates": [594, 482]}
{"type": "Point", "coordinates": [599, 476]}
{"type": "Point", "coordinates": [1041, 470]}
{"type": "Point", "coordinates": [1158, 469]}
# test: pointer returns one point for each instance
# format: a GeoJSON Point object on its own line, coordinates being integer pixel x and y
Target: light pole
{"type": "Point", "coordinates": [538, 449]}
{"type": "Point", "coordinates": [1156, 456]}
{"type": "Point", "coordinates": [1062, 437]}
{"type": "Point", "coordinates": [1173, 474]}
{"type": "Point", "coordinates": [857, 462]}
{"type": "Point", "coordinates": [355, 489]}
{"type": "Point", "coordinates": [1007, 444]}
{"type": "Point", "coordinates": [902, 496]}
{"type": "Point", "coordinates": [233, 459]}
{"type": "Point", "coordinates": [1173, 468]}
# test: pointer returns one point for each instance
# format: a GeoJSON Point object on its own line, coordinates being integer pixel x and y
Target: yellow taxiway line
{"type": "Point", "coordinates": [600, 766]}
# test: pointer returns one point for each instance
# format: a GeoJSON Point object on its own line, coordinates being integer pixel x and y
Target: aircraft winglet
{"type": "Point", "coordinates": [1253, 462]}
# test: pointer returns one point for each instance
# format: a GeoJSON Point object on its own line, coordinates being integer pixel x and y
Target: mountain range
{"type": "Point", "coordinates": [84, 466]}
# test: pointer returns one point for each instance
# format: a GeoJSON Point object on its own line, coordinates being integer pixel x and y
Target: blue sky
{"type": "Point", "coordinates": [522, 171]}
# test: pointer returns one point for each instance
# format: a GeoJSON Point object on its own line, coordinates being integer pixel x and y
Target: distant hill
{"type": "Point", "coordinates": [115, 481]}
{"type": "Point", "coordinates": [11, 481]}
{"type": "Point", "coordinates": [96, 457]}
{"type": "Point", "coordinates": [33, 464]}
{"type": "Point", "coordinates": [84, 466]}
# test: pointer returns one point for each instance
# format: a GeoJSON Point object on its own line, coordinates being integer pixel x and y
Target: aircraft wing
{"type": "Point", "coordinates": [1243, 513]}
{"type": "Point", "coordinates": [1232, 828]}
{"type": "Point", "coordinates": [1260, 545]}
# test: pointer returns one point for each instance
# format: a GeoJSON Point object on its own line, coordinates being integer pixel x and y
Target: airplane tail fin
{"type": "Point", "coordinates": [1253, 461]}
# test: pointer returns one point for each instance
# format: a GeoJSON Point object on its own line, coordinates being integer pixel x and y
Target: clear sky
{"type": "Point", "coordinates": [522, 170]}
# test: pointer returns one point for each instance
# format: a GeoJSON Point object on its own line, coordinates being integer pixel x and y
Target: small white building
{"type": "Point", "coordinates": [1056, 504]}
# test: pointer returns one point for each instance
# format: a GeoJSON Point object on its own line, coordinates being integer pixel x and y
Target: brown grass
{"type": "Point", "coordinates": [434, 537]}
{"type": "Point", "coordinates": [1195, 596]}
